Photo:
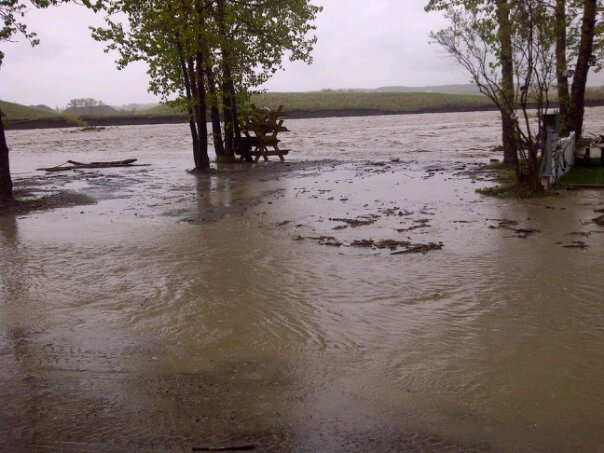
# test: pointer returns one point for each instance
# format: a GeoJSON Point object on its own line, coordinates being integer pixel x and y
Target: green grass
{"type": "Point", "coordinates": [594, 93]}
{"type": "Point", "coordinates": [593, 173]}
{"type": "Point", "coordinates": [328, 100]}
{"type": "Point", "coordinates": [402, 102]}
{"type": "Point", "coordinates": [510, 190]}
{"type": "Point", "coordinates": [392, 102]}
{"type": "Point", "coordinates": [17, 112]}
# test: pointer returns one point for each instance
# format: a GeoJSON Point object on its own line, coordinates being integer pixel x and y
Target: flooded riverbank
{"type": "Point", "coordinates": [184, 311]}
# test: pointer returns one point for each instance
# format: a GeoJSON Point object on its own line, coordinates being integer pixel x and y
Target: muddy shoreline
{"type": "Point", "coordinates": [135, 120]}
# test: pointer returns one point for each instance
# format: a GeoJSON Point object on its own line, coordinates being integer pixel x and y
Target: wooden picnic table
{"type": "Point", "coordinates": [585, 153]}
{"type": "Point", "coordinates": [261, 132]}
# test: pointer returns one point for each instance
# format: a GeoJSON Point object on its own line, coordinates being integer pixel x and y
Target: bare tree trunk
{"type": "Point", "coordinates": [561, 67]}
{"type": "Point", "coordinates": [6, 183]}
{"type": "Point", "coordinates": [215, 114]}
{"type": "Point", "coordinates": [227, 85]}
{"type": "Point", "coordinates": [577, 97]}
{"type": "Point", "coordinates": [190, 113]}
{"type": "Point", "coordinates": [507, 83]}
{"type": "Point", "coordinates": [186, 77]}
{"type": "Point", "coordinates": [202, 129]}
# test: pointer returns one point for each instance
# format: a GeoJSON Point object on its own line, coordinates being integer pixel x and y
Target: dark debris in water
{"type": "Point", "coordinates": [521, 233]}
{"type": "Point", "coordinates": [356, 222]}
{"type": "Point", "coordinates": [576, 245]}
{"type": "Point", "coordinates": [413, 227]}
{"type": "Point", "coordinates": [395, 246]}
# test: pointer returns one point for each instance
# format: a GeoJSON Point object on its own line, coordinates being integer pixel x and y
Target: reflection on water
{"type": "Point", "coordinates": [179, 312]}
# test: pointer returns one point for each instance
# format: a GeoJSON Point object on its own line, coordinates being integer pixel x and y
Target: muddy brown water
{"type": "Point", "coordinates": [185, 311]}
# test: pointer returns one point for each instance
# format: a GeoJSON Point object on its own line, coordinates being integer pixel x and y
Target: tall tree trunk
{"type": "Point", "coordinates": [190, 113]}
{"type": "Point", "coordinates": [507, 83]}
{"type": "Point", "coordinates": [227, 91]}
{"type": "Point", "coordinates": [215, 114]}
{"type": "Point", "coordinates": [201, 109]}
{"type": "Point", "coordinates": [6, 183]}
{"type": "Point", "coordinates": [561, 67]}
{"type": "Point", "coordinates": [186, 76]}
{"type": "Point", "coordinates": [577, 96]}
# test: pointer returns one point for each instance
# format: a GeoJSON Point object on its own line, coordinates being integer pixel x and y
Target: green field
{"type": "Point", "coordinates": [16, 112]}
{"type": "Point", "coordinates": [336, 100]}
{"type": "Point", "coordinates": [389, 102]}
{"type": "Point", "coordinates": [327, 100]}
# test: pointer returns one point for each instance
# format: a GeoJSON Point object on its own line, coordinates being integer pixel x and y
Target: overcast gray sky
{"type": "Point", "coordinates": [362, 44]}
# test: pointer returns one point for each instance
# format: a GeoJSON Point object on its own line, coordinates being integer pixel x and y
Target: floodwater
{"type": "Point", "coordinates": [182, 312]}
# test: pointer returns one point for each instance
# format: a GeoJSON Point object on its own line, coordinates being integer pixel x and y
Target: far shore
{"type": "Point", "coordinates": [133, 120]}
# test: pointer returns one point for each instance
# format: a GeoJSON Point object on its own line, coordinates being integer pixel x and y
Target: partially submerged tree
{"type": "Point", "coordinates": [209, 54]}
{"type": "Point", "coordinates": [498, 39]}
{"type": "Point", "coordinates": [529, 39]}
{"type": "Point", "coordinates": [12, 13]}
{"type": "Point", "coordinates": [480, 39]}
{"type": "Point", "coordinates": [584, 60]}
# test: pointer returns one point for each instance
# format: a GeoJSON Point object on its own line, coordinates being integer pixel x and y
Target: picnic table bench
{"type": "Point", "coordinates": [261, 130]}
{"type": "Point", "coordinates": [585, 153]}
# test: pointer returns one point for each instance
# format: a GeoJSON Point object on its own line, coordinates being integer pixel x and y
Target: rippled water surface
{"type": "Point", "coordinates": [184, 311]}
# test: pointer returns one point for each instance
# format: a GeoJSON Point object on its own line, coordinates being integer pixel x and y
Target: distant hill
{"type": "Point", "coordinates": [15, 112]}
{"type": "Point", "coordinates": [43, 107]}
{"type": "Point", "coordinates": [95, 110]}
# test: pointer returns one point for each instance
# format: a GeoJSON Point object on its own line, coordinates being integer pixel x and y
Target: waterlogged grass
{"type": "Point", "coordinates": [510, 190]}
{"type": "Point", "coordinates": [591, 174]}
{"type": "Point", "coordinates": [507, 184]}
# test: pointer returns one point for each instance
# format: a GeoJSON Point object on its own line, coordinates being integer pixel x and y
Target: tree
{"type": "Point", "coordinates": [498, 39]}
{"type": "Point", "coordinates": [84, 102]}
{"type": "Point", "coordinates": [11, 16]}
{"type": "Point", "coordinates": [489, 21]}
{"type": "Point", "coordinates": [577, 96]}
{"type": "Point", "coordinates": [209, 53]}
{"type": "Point", "coordinates": [561, 23]}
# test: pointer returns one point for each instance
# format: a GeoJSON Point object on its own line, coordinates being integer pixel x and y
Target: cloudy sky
{"type": "Point", "coordinates": [362, 44]}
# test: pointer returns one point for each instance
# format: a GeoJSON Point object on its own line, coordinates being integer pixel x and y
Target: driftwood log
{"type": "Point", "coordinates": [74, 165]}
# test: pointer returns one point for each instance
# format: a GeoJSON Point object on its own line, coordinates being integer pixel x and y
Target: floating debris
{"type": "Point", "coordinates": [576, 245]}
{"type": "Point", "coordinates": [413, 227]}
{"type": "Point", "coordinates": [420, 248]}
{"type": "Point", "coordinates": [357, 222]}
{"type": "Point", "coordinates": [599, 220]}
{"type": "Point", "coordinates": [521, 233]}
{"type": "Point", "coordinates": [391, 244]}
{"type": "Point", "coordinates": [74, 165]}
{"type": "Point", "coordinates": [502, 223]}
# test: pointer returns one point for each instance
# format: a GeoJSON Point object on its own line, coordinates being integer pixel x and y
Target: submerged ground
{"type": "Point", "coordinates": [273, 307]}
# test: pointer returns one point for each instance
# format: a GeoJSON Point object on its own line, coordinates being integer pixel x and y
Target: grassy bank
{"type": "Point", "coordinates": [18, 112]}
{"type": "Point", "coordinates": [386, 102]}
{"type": "Point", "coordinates": [306, 104]}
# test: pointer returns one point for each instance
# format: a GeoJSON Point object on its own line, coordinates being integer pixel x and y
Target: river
{"type": "Point", "coordinates": [231, 309]}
